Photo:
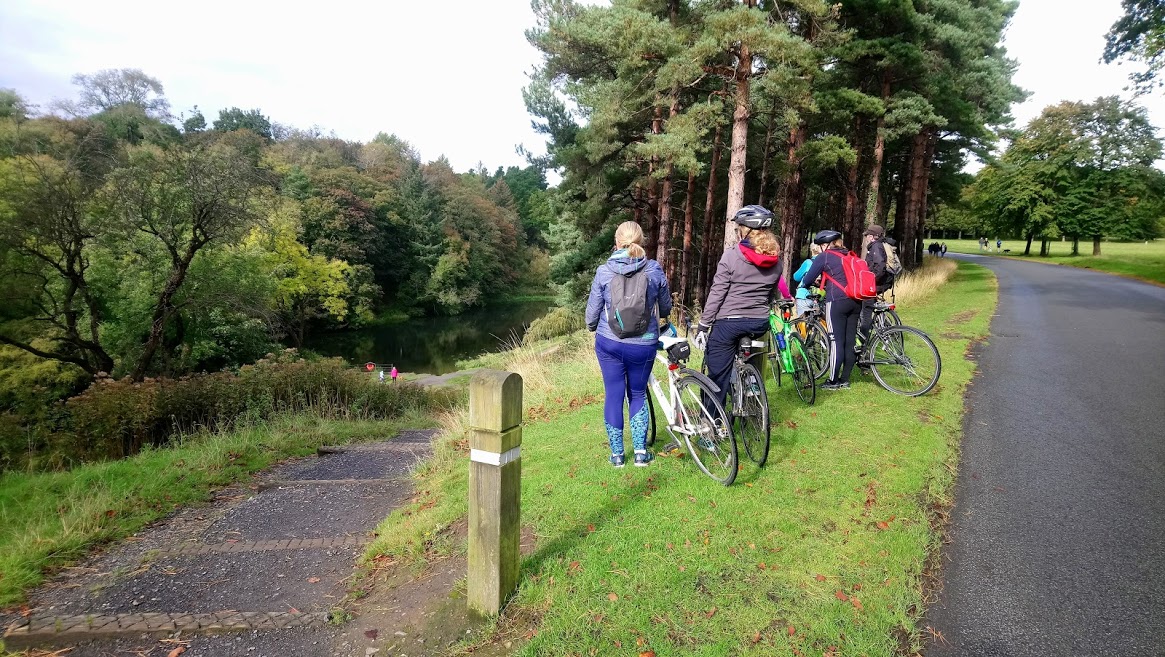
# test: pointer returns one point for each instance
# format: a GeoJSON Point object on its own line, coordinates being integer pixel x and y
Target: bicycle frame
{"type": "Point", "coordinates": [669, 402]}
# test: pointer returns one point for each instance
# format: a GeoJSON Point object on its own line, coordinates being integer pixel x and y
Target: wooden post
{"type": "Point", "coordinates": [495, 488]}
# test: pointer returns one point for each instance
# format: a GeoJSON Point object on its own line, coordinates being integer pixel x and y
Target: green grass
{"type": "Point", "coordinates": [823, 550]}
{"type": "Point", "coordinates": [48, 520]}
{"type": "Point", "coordinates": [1140, 260]}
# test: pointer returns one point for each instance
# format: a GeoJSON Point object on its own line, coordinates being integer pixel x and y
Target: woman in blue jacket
{"type": "Point", "coordinates": [803, 302]}
{"type": "Point", "coordinates": [626, 362]}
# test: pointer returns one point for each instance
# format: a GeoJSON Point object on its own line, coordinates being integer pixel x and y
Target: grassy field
{"type": "Point", "coordinates": [50, 519]}
{"type": "Point", "coordinates": [1144, 261]}
{"type": "Point", "coordinates": [824, 551]}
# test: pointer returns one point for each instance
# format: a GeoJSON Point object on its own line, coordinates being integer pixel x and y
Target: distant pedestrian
{"type": "Point", "coordinates": [998, 245]}
{"type": "Point", "coordinates": [394, 373]}
{"type": "Point", "coordinates": [382, 376]}
{"type": "Point", "coordinates": [942, 250]}
{"type": "Point", "coordinates": [982, 243]}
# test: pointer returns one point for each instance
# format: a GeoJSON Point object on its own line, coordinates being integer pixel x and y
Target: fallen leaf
{"type": "Point", "coordinates": [711, 613]}
{"type": "Point", "coordinates": [313, 580]}
{"type": "Point", "coordinates": [840, 595]}
{"type": "Point", "coordinates": [618, 643]}
{"type": "Point", "coordinates": [792, 630]}
{"type": "Point", "coordinates": [883, 525]}
{"type": "Point", "coordinates": [820, 577]}
{"type": "Point", "coordinates": [612, 596]}
{"type": "Point", "coordinates": [761, 565]}
{"type": "Point", "coordinates": [177, 651]}
{"type": "Point", "coordinates": [856, 603]}
{"type": "Point", "coordinates": [639, 641]}
{"type": "Point", "coordinates": [590, 528]}
{"type": "Point", "coordinates": [647, 653]}
{"type": "Point", "coordinates": [371, 634]}
{"type": "Point", "coordinates": [752, 546]}
{"type": "Point", "coordinates": [683, 568]}
{"type": "Point", "coordinates": [25, 612]}
{"type": "Point", "coordinates": [756, 637]}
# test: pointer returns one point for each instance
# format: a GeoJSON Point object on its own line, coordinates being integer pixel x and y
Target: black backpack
{"type": "Point", "coordinates": [628, 315]}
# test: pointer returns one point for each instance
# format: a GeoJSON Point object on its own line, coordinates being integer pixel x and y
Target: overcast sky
{"type": "Point", "coordinates": [445, 76]}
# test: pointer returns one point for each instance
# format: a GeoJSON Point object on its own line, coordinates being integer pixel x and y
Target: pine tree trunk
{"type": "Point", "coordinates": [651, 230]}
{"type": "Point", "coordinates": [686, 254]}
{"type": "Point", "coordinates": [706, 243]}
{"type": "Point", "coordinates": [793, 207]}
{"type": "Point", "coordinates": [637, 204]}
{"type": "Point", "coordinates": [879, 153]}
{"type": "Point", "coordinates": [662, 256]}
{"type": "Point", "coordinates": [736, 164]}
{"type": "Point", "coordinates": [924, 185]}
{"type": "Point", "coordinates": [764, 169]}
{"type": "Point", "coordinates": [851, 225]}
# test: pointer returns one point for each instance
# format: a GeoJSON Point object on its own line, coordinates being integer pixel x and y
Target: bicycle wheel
{"type": "Point", "coordinates": [886, 319]}
{"type": "Point", "coordinates": [706, 430]}
{"type": "Point", "coordinates": [816, 344]}
{"type": "Point", "coordinates": [751, 420]}
{"type": "Point", "coordinates": [774, 356]}
{"type": "Point", "coordinates": [804, 380]}
{"type": "Point", "coordinates": [650, 419]}
{"type": "Point", "coordinates": [905, 361]}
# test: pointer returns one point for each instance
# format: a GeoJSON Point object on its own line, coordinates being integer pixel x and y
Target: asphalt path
{"type": "Point", "coordinates": [1057, 544]}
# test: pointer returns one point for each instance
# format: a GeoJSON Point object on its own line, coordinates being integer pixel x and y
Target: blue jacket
{"type": "Point", "coordinates": [658, 295]}
{"type": "Point", "coordinates": [802, 292]}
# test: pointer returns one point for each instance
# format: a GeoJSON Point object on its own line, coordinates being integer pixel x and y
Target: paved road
{"type": "Point", "coordinates": [1058, 538]}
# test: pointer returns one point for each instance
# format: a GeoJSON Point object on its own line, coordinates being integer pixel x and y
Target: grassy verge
{"type": "Point", "coordinates": [50, 519]}
{"type": "Point", "coordinates": [1141, 260]}
{"type": "Point", "coordinates": [823, 551]}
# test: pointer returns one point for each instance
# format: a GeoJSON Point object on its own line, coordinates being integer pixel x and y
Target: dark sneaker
{"type": "Point", "coordinates": [642, 459]}
{"type": "Point", "coordinates": [618, 460]}
{"type": "Point", "coordinates": [835, 386]}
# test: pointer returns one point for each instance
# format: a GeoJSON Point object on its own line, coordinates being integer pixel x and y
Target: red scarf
{"type": "Point", "coordinates": [758, 259]}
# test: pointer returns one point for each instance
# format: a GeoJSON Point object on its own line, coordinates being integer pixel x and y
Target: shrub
{"type": "Point", "coordinates": [115, 419]}
{"type": "Point", "coordinates": [560, 321]}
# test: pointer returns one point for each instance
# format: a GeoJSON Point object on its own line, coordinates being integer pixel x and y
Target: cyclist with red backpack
{"type": "Point", "coordinates": [845, 279]}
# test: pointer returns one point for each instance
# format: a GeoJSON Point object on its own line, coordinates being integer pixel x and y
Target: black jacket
{"type": "Point", "coordinates": [876, 261]}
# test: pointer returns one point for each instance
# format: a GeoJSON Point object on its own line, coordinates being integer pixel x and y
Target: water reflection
{"type": "Point", "coordinates": [431, 344]}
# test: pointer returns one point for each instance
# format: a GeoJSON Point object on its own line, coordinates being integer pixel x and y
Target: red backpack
{"type": "Point", "coordinates": [859, 280]}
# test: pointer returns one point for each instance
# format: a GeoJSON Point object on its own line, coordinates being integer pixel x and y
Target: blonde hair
{"type": "Point", "coordinates": [815, 250]}
{"type": "Point", "coordinates": [762, 241]}
{"type": "Point", "coordinates": [629, 235]}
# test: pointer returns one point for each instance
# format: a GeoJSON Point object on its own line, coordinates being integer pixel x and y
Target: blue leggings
{"type": "Point", "coordinates": [626, 368]}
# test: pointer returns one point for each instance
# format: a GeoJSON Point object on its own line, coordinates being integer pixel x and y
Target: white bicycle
{"type": "Point", "coordinates": [694, 418]}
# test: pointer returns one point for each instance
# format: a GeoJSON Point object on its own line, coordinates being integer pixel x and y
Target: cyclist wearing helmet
{"type": "Point", "coordinates": [626, 362]}
{"type": "Point", "coordinates": [741, 293]}
{"type": "Point", "coordinates": [841, 312]}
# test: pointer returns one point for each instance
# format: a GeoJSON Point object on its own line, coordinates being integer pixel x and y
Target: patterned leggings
{"type": "Point", "coordinates": [626, 368]}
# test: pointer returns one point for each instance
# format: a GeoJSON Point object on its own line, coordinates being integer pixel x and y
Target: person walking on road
{"type": "Point", "coordinates": [626, 361]}
{"type": "Point", "coordinates": [942, 250]}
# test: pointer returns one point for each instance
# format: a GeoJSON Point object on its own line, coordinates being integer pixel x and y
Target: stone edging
{"type": "Point", "coordinates": [51, 629]}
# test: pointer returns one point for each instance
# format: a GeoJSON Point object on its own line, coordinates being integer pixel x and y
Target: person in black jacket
{"type": "Point", "coordinates": [841, 312]}
{"type": "Point", "coordinates": [875, 256]}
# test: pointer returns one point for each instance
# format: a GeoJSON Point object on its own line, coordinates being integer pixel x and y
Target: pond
{"type": "Point", "coordinates": [432, 345]}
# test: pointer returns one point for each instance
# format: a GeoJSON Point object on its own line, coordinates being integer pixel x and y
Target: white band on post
{"type": "Point", "coordinates": [492, 458]}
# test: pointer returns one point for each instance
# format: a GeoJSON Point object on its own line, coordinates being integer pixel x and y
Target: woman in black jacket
{"type": "Point", "coordinates": [842, 313]}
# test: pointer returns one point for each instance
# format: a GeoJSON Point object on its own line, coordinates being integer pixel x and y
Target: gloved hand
{"type": "Point", "coordinates": [701, 339]}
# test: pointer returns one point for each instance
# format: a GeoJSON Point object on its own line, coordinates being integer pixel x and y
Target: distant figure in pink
{"type": "Point", "coordinates": [394, 373]}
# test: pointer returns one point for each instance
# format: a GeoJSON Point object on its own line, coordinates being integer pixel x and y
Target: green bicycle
{"type": "Point", "coordinates": [789, 354]}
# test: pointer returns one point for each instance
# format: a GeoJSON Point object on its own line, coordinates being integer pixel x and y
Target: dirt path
{"type": "Point", "coordinates": [264, 570]}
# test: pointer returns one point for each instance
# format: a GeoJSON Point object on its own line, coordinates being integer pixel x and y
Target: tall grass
{"type": "Point", "coordinates": [914, 286]}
